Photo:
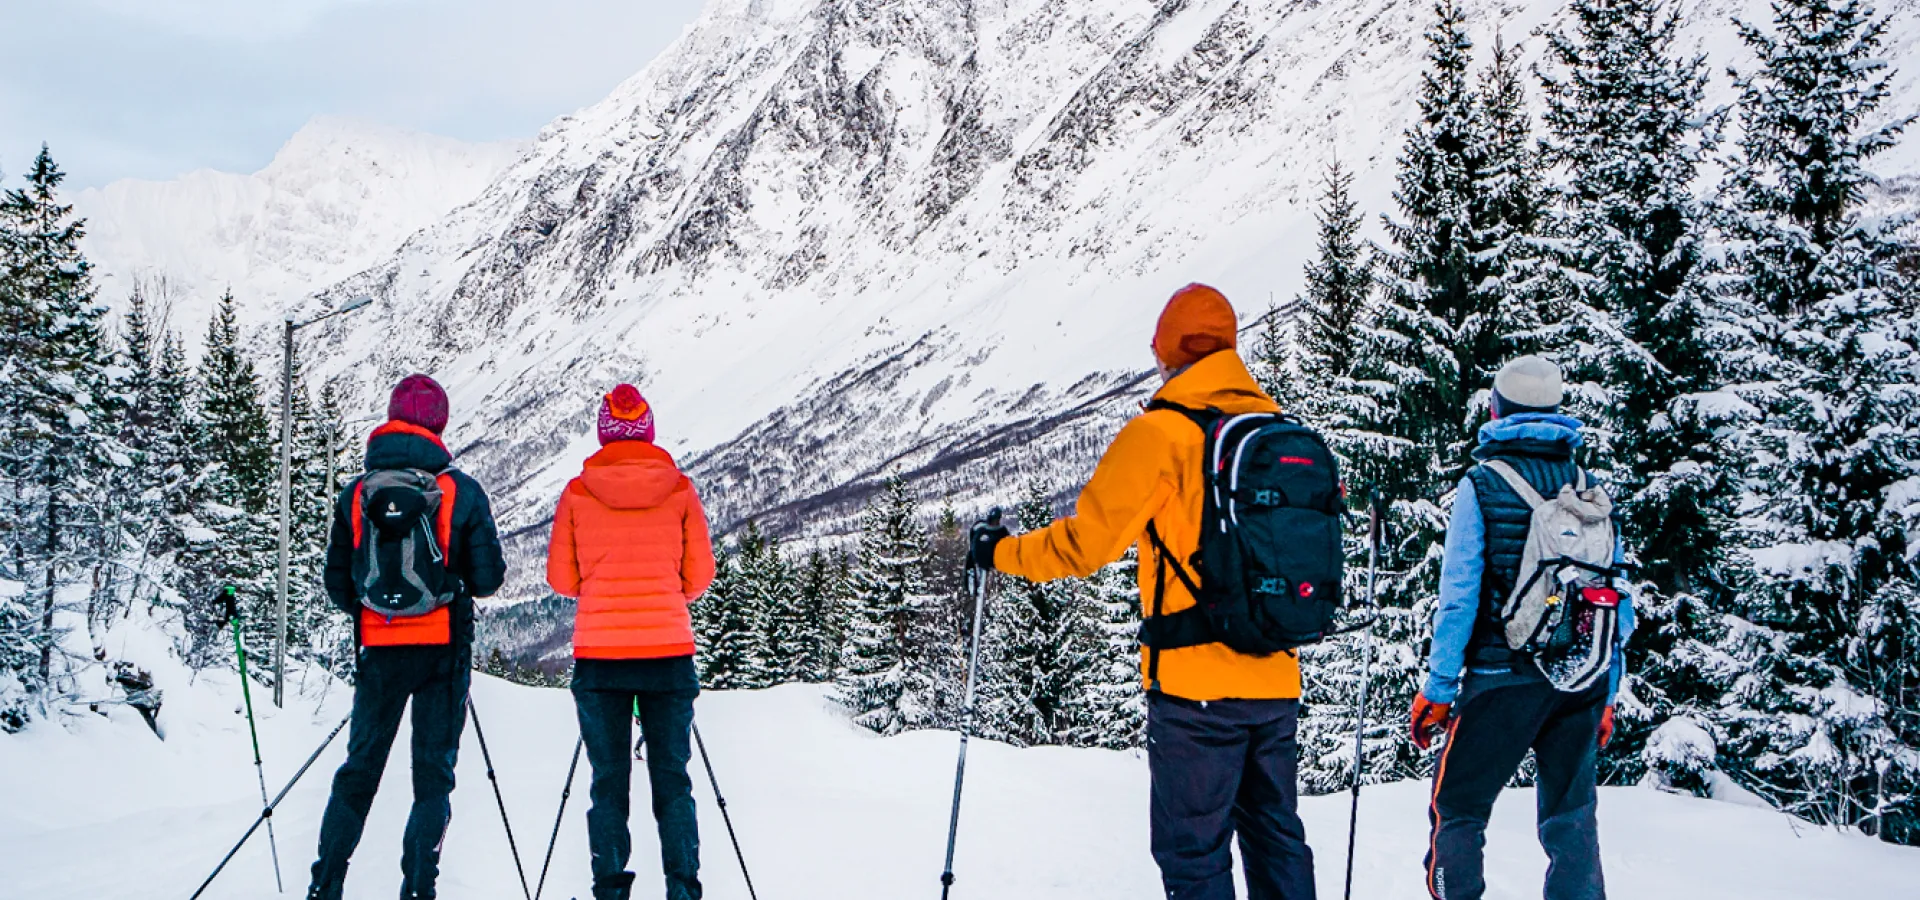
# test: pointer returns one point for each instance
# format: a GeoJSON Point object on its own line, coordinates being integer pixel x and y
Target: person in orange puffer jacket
{"type": "Point", "coordinates": [630, 543]}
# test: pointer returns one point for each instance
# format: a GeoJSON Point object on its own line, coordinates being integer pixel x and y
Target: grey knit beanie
{"type": "Point", "coordinates": [1530, 384]}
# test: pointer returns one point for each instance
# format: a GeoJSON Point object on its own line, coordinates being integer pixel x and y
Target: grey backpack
{"type": "Point", "coordinates": [401, 535]}
{"type": "Point", "coordinates": [1564, 610]}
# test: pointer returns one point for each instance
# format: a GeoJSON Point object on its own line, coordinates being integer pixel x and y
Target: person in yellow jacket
{"type": "Point", "coordinates": [1221, 726]}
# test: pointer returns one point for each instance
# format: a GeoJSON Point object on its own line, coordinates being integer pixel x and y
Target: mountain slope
{"type": "Point", "coordinates": [837, 238]}
{"type": "Point", "coordinates": [341, 195]}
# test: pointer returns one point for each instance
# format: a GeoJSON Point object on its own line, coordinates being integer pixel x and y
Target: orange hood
{"type": "Point", "coordinates": [631, 475]}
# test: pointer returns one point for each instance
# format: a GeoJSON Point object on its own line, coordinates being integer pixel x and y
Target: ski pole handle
{"type": "Point", "coordinates": [229, 601]}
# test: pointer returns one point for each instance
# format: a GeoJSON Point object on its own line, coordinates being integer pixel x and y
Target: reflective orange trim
{"type": "Point", "coordinates": [1433, 838]}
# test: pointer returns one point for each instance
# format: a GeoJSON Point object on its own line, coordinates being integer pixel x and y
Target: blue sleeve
{"type": "Point", "coordinates": [1627, 623]}
{"type": "Point", "coordinates": [1460, 573]}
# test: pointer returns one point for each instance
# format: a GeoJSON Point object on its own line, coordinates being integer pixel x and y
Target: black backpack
{"type": "Point", "coordinates": [1271, 562]}
{"type": "Point", "coordinates": [400, 552]}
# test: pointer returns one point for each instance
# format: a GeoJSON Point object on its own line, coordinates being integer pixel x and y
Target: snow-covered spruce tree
{"type": "Point", "coordinates": [19, 626]}
{"type": "Point", "coordinates": [59, 387]}
{"type": "Point", "coordinates": [324, 443]}
{"type": "Point", "coordinates": [734, 624]}
{"type": "Point", "coordinates": [1634, 326]}
{"type": "Point", "coordinates": [1821, 665]}
{"type": "Point", "coordinates": [307, 606]}
{"type": "Point", "coordinates": [1307, 361]}
{"type": "Point", "coordinates": [1511, 268]}
{"type": "Point", "coordinates": [823, 603]}
{"type": "Point", "coordinates": [885, 679]}
{"type": "Point", "coordinates": [187, 546]}
{"type": "Point", "coordinates": [1429, 272]}
{"type": "Point", "coordinates": [238, 494]}
{"type": "Point", "coordinates": [1110, 709]}
{"type": "Point", "coordinates": [775, 587]}
{"type": "Point", "coordinates": [1039, 649]}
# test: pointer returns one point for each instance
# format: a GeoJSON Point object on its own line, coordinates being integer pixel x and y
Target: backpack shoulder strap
{"type": "Point", "coordinates": [1513, 479]}
{"type": "Point", "coordinates": [1204, 418]}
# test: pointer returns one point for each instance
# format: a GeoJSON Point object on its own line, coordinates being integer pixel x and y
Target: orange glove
{"type": "Point", "coordinates": [1606, 727]}
{"type": "Point", "coordinates": [1428, 717]}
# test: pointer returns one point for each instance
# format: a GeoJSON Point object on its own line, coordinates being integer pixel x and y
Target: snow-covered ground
{"type": "Point", "coordinates": [101, 808]}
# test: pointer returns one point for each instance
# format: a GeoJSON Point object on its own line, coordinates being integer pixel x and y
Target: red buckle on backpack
{"type": "Point", "coordinates": [1604, 597]}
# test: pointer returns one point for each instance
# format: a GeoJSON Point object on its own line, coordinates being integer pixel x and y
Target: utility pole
{"type": "Point", "coordinates": [286, 490]}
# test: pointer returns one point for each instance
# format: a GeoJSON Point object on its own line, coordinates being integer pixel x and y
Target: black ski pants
{"type": "Point", "coordinates": [666, 722]}
{"type": "Point", "coordinates": [1491, 732]}
{"type": "Point", "coordinates": [1223, 769]}
{"type": "Point", "coordinates": [435, 679]}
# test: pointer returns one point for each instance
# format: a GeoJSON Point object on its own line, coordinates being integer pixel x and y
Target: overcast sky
{"type": "Point", "coordinates": [154, 88]}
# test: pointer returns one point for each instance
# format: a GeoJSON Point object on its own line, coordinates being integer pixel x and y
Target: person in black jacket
{"type": "Point", "coordinates": [426, 659]}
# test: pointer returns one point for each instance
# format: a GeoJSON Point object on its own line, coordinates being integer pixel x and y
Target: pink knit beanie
{"type": "Point", "coordinates": [625, 416]}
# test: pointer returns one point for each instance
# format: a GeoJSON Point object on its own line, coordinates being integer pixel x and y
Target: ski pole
{"type": "Point", "coordinates": [566, 790]}
{"type": "Point", "coordinates": [259, 769]}
{"type": "Point", "coordinates": [721, 802]}
{"type": "Point", "coordinates": [1375, 529]}
{"type": "Point", "coordinates": [268, 812]}
{"type": "Point", "coordinates": [979, 579]}
{"type": "Point", "coordinates": [487, 757]}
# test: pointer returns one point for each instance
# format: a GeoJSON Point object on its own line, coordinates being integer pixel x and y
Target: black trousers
{"type": "Point", "coordinates": [1492, 731]}
{"type": "Point", "coordinates": [666, 723]}
{"type": "Point", "coordinates": [1223, 769]}
{"type": "Point", "coordinates": [436, 680]}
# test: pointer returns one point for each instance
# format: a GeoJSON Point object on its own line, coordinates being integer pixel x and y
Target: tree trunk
{"type": "Point", "coordinates": [53, 568]}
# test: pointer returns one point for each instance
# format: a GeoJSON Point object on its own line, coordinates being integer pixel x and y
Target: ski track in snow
{"type": "Point", "coordinates": [100, 808]}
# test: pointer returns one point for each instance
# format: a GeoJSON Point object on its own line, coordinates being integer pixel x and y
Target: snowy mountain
{"type": "Point", "coordinates": [823, 809]}
{"type": "Point", "coordinates": [834, 240]}
{"type": "Point", "coordinates": [341, 195]}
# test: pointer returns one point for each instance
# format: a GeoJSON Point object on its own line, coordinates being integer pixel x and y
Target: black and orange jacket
{"type": "Point", "coordinates": [466, 526]}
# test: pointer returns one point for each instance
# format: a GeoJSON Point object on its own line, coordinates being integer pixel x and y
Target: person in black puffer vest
{"type": "Point", "coordinates": [1494, 702]}
{"type": "Point", "coordinates": [426, 659]}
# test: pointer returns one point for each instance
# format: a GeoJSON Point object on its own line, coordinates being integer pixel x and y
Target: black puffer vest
{"type": "Point", "coordinates": [1548, 466]}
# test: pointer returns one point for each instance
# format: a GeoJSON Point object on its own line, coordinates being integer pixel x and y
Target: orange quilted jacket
{"type": "Point", "coordinates": [630, 543]}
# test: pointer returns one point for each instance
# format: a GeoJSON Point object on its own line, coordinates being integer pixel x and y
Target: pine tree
{"type": "Point", "coordinates": [885, 679]}
{"type": "Point", "coordinates": [1511, 273]}
{"type": "Point", "coordinates": [775, 589]}
{"type": "Point", "coordinates": [59, 393]}
{"type": "Point", "coordinates": [823, 604]}
{"type": "Point", "coordinates": [238, 501]}
{"type": "Point", "coordinates": [1635, 328]}
{"type": "Point", "coordinates": [1429, 273]}
{"type": "Point", "coordinates": [1821, 667]}
{"type": "Point", "coordinates": [1111, 708]}
{"type": "Point", "coordinates": [735, 624]}
{"type": "Point", "coordinates": [1038, 651]}
{"type": "Point", "coordinates": [1308, 360]}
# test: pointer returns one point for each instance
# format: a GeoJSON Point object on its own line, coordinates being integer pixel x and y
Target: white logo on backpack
{"type": "Point", "coordinates": [1569, 555]}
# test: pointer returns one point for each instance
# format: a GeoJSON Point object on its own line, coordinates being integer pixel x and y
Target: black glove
{"type": "Point", "coordinates": [228, 602]}
{"type": "Point", "coordinates": [981, 541]}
